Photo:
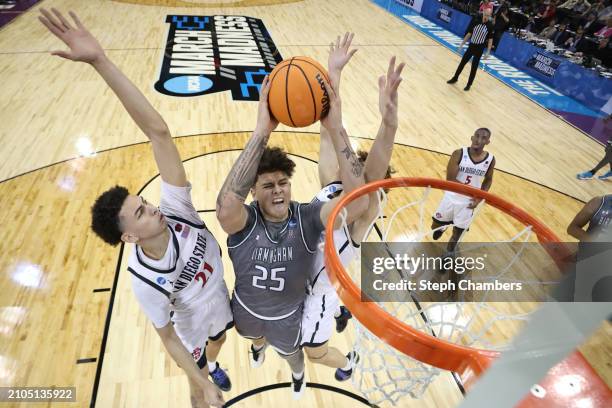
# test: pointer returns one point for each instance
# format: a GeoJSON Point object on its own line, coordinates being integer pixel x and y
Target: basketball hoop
{"type": "Point", "coordinates": [405, 340]}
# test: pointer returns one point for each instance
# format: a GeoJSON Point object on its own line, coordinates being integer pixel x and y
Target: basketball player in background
{"type": "Point", "coordinates": [472, 166]}
{"type": "Point", "coordinates": [598, 214]}
{"type": "Point", "coordinates": [273, 241]}
{"type": "Point", "coordinates": [176, 262]}
{"type": "Point", "coordinates": [322, 304]}
{"type": "Point", "coordinates": [607, 160]}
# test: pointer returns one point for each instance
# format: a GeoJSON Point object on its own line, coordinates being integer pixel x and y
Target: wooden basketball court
{"type": "Point", "coordinates": [67, 314]}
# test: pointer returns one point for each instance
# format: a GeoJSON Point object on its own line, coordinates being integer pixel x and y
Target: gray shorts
{"type": "Point", "coordinates": [283, 335]}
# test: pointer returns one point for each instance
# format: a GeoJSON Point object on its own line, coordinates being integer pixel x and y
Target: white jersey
{"type": "Point", "coordinates": [190, 272]}
{"type": "Point", "coordinates": [470, 173]}
{"type": "Point", "coordinates": [347, 250]}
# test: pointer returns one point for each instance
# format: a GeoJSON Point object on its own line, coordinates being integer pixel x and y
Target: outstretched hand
{"type": "Point", "coordinates": [340, 55]}
{"type": "Point", "coordinates": [387, 93]}
{"type": "Point", "coordinates": [266, 123]}
{"type": "Point", "coordinates": [83, 46]}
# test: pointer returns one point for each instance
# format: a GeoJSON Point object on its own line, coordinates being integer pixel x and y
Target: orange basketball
{"type": "Point", "coordinates": [297, 95]}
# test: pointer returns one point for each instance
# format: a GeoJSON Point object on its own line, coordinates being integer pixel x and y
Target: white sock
{"type": "Point", "coordinates": [212, 366]}
{"type": "Point", "coordinates": [338, 312]}
{"type": "Point", "coordinates": [348, 365]}
{"type": "Point", "coordinates": [299, 375]}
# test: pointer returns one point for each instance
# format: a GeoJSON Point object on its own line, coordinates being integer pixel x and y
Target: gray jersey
{"type": "Point", "coordinates": [600, 221]}
{"type": "Point", "coordinates": [272, 261]}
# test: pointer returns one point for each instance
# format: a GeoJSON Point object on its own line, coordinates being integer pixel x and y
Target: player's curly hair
{"type": "Point", "coordinates": [275, 159]}
{"type": "Point", "coordinates": [105, 214]}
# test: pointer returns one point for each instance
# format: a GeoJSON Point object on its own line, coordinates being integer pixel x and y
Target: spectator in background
{"type": "Point", "coordinates": [595, 7]}
{"type": "Point", "coordinates": [531, 25]}
{"type": "Point", "coordinates": [549, 12]}
{"type": "Point", "coordinates": [603, 52]}
{"type": "Point", "coordinates": [576, 6]}
{"type": "Point", "coordinates": [606, 13]}
{"type": "Point", "coordinates": [591, 25]}
{"type": "Point", "coordinates": [485, 5]}
{"type": "Point", "coordinates": [606, 31]}
{"type": "Point", "coordinates": [577, 43]}
{"type": "Point", "coordinates": [561, 36]}
{"type": "Point", "coordinates": [501, 20]}
{"type": "Point", "coordinates": [550, 30]}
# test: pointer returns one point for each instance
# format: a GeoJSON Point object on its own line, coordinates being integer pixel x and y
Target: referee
{"type": "Point", "coordinates": [477, 33]}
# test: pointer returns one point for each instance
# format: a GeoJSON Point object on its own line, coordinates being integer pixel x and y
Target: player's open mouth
{"type": "Point", "coordinates": [278, 201]}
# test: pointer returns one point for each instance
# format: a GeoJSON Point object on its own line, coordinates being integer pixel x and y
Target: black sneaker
{"type": "Point", "coordinates": [467, 88]}
{"type": "Point", "coordinates": [221, 379]}
{"type": "Point", "coordinates": [342, 320]}
{"type": "Point", "coordinates": [437, 234]}
{"type": "Point", "coordinates": [343, 375]}
{"type": "Point", "coordinates": [257, 356]}
{"type": "Point", "coordinates": [452, 80]}
{"type": "Point", "coordinates": [298, 387]}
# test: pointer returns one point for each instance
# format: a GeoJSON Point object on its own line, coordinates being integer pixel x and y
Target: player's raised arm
{"type": "Point", "coordinates": [231, 213]}
{"type": "Point", "coordinates": [339, 55]}
{"type": "Point", "coordinates": [351, 169]}
{"type": "Point", "coordinates": [377, 163]}
{"type": "Point", "coordinates": [83, 47]}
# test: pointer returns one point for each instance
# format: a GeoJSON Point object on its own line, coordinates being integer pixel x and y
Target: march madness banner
{"type": "Point", "coordinates": [209, 54]}
{"type": "Point", "coordinates": [413, 4]}
{"type": "Point", "coordinates": [543, 64]}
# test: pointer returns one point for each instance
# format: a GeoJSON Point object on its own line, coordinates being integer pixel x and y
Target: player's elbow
{"type": "Point", "coordinates": [358, 207]}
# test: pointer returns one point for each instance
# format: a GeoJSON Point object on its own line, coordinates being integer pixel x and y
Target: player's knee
{"type": "Point", "coordinates": [316, 354]}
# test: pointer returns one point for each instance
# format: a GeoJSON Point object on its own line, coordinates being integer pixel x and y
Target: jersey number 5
{"type": "Point", "coordinates": [468, 179]}
{"type": "Point", "coordinates": [264, 276]}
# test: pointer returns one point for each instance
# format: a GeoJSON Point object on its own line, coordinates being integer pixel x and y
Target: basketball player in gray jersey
{"type": "Point", "coordinates": [598, 214]}
{"type": "Point", "coordinates": [272, 242]}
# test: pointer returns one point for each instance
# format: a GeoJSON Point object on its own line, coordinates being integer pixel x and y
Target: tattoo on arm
{"type": "Point", "coordinates": [356, 165]}
{"type": "Point", "coordinates": [244, 172]}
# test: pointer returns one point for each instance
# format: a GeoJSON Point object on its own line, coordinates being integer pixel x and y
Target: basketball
{"type": "Point", "coordinates": [297, 95]}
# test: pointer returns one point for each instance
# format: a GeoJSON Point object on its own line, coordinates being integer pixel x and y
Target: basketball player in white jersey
{"type": "Point", "coordinates": [176, 262]}
{"type": "Point", "coordinates": [598, 214]}
{"type": "Point", "coordinates": [322, 304]}
{"type": "Point", "coordinates": [272, 242]}
{"type": "Point", "coordinates": [471, 166]}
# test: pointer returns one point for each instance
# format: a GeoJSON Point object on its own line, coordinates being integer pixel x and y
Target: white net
{"type": "Point", "coordinates": [385, 375]}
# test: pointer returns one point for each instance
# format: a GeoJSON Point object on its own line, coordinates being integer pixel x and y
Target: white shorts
{"type": "Point", "coordinates": [322, 302]}
{"type": "Point", "coordinates": [213, 318]}
{"type": "Point", "coordinates": [451, 210]}
{"type": "Point", "coordinates": [318, 321]}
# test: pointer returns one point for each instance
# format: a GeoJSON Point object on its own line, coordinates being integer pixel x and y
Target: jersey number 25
{"type": "Point", "coordinates": [264, 276]}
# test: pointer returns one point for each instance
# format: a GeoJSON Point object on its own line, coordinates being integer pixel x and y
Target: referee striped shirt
{"type": "Point", "coordinates": [481, 32]}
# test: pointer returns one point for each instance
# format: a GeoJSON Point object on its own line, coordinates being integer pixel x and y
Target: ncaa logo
{"type": "Point", "coordinates": [161, 280]}
{"type": "Point", "coordinates": [292, 223]}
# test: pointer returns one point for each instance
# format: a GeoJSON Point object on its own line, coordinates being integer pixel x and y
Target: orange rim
{"type": "Point", "coordinates": [468, 362]}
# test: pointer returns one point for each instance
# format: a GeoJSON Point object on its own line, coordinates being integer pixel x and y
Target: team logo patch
{"type": "Point", "coordinates": [197, 353]}
{"type": "Point", "coordinates": [161, 280]}
{"type": "Point", "coordinates": [178, 227]}
{"type": "Point", "coordinates": [438, 215]}
{"type": "Point", "coordinates": [292, 223]}
{"type": "Point", "coordinates": [209, 54]}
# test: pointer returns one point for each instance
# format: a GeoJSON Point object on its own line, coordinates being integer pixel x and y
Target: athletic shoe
{"type": "Point", "coordinates": [298, 387]}
{"type": "Point", "coordinates": [342, 320]}
{"type": "Point", "coordinates": [467, 88]}
{"type": "Point", "coordinates": [221, 379]}
{"type": "Point", "coordinates": [587, 175]}
{"type": "Point", "coordinates": [606, 175]}
{"type": "Point", "coordinates": [257, 356]}
{"type": "Point", "coordinates": [437, 234]}
{"type": "Point", "coordinates": [343, 375]}
{"type": "Point", "coordinates": [452, 80]}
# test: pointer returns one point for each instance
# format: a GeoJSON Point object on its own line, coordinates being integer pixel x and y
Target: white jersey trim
{"type": "Point", "coordinates": [260, 316]}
